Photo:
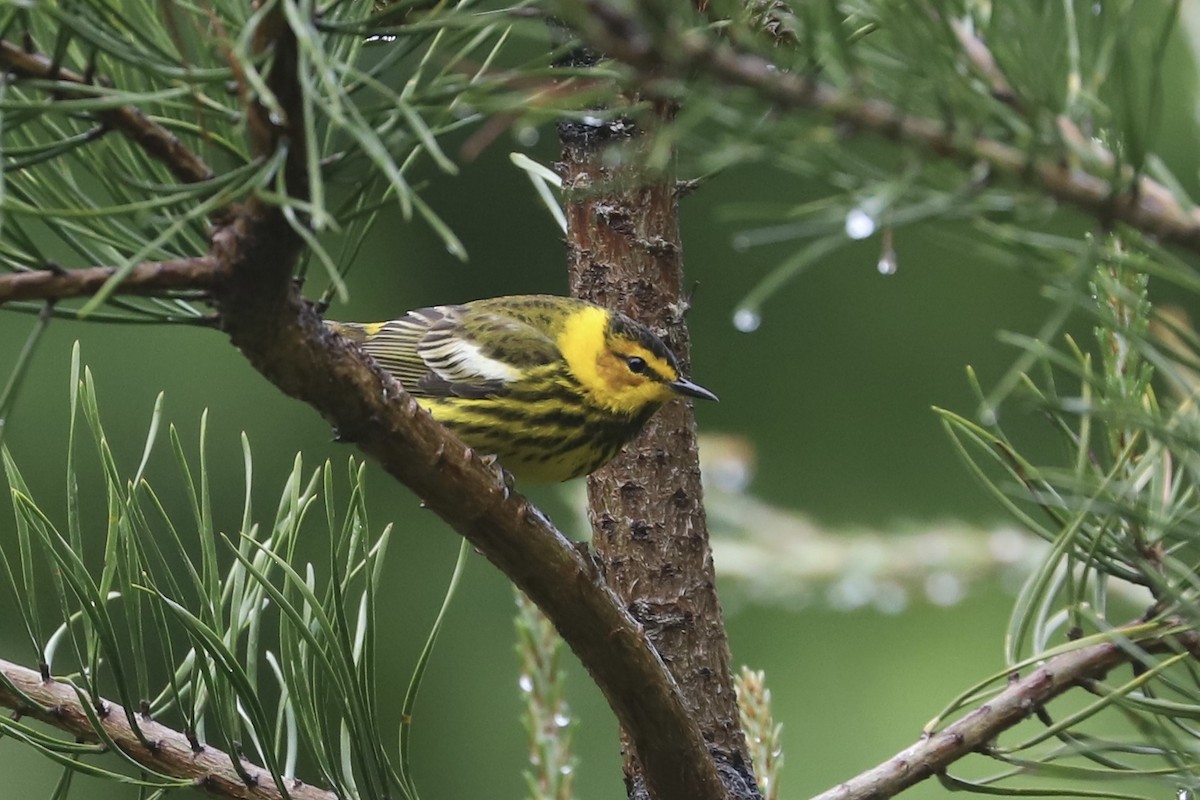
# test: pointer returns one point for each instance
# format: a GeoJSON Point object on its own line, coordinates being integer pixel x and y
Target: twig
{"type": "Point", "coordinates": [984, 62]}
{"type": "Point", "coordinates": [980, 56]}
{"type": "Point", "coordinates": [1137, 201]}
{"type": "Point", "coordinates": [158, 142]}
{"type": "Point", "coordinates": [937, 750]}
{"type": "Point", "coordinates": [151, 278]}
{"type": "Point", "coordinates": [58, 704]}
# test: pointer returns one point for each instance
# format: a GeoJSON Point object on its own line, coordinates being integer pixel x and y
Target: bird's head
{"type": "Point", "coordinates": [622, 365]}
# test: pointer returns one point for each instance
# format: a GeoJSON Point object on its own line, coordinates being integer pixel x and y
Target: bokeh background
{"type": "Point", "coordinates": [833, 391]}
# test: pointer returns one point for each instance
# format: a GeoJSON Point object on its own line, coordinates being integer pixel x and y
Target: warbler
{"type": "Point", "coordinates": [552, 386]}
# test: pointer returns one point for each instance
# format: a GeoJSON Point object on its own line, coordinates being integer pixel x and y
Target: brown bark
{"type": "Point", "coordinates": [155, 278]}
{"type": "Point", "coordinates": [160, 749]}
{"type": "Point", "coordinates": [646, 507]}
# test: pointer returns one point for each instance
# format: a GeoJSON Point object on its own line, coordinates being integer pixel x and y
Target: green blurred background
{"type": "Point", "coordinates": [833, 390]}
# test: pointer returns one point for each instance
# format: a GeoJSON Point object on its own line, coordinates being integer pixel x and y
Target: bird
{"type": "Point", "coordinates": [552, 387]}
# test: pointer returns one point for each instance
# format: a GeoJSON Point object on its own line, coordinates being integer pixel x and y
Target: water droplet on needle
{"type": "Point", "coordinates": [746, 320]}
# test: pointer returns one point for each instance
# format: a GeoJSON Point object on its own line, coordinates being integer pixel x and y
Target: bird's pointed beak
{"type": "Point", "coordinates": [685, 387]}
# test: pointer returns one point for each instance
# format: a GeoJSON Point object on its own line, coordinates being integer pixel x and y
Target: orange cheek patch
{"type": "Point", "coordinates": [615, 372]}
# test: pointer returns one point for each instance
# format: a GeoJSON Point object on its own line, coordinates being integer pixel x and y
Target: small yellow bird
{"type": "Point", "coordinates": [552, 386]}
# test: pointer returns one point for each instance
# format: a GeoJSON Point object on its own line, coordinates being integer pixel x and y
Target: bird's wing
{"type": "Point", "coordinates": [474, 353]}
{"type": "Point", "coordinates": [445, 351]}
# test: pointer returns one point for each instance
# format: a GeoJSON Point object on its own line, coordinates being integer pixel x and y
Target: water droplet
{"type": "Point", "coordinates": [528, 135]}
{"type": "Point", "coordinates": [566, 769]}
{"type": "Point", "coordinates": [944, 589]}
{"type": "Point", "coordinates": [526, 683]}
{"type": "Point", "coordinates": [987, 416]}
{"type": "Point", "coordinates": [859, 224]}
{"type": "Point", "coordinates": [562, 720]}
{"type": "Point", "coordinates": [851, 592]}
{"type": "Point", "coordinates": [1008, 545]}
{"type": "Point", "coordinates": [887, 263]}
{"type": "Point", "coordinates": [890, 598]}
{"type": "Point", "coordinates": [746, 320]}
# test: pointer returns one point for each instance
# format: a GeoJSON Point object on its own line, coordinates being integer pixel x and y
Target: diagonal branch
{"type": "Point", "coordinates": [249, 271]}
{"type": "Point", "coordinates": [158, 142]}
{"type": "Point", "coordinates": [287, 342]}
{"type": "Point", "coordinates": [152, 278]}
{"type": "Point", "coordinates": [58, 704]}
{"type": "Point", "coordinates": [1134, 200]}
{"type": "Point", "coordinates": [268, 319]}
{"type": "Point", "coordinates": [937, 750]}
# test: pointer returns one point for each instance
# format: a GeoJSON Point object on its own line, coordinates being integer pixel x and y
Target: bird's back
{"type": "Point", "coordinates": [492, 372]}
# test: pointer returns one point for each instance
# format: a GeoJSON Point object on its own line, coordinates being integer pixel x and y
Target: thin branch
{"type": "Point", "coordinates": [937, 750]}
{"type": "Point", "coordinates": [152, 278]}
{"type": "Point", "coordinates": [981, 59]}
{"type": "Point", "coordinates": [158, 142]}
{"type": "Point", "coordinates": [169, 752]}
{"type": "Point", "coordinates": [1137, 201]}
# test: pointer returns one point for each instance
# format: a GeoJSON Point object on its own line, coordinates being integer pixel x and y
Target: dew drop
{"type": "Point", "coordinates": [746, 320]}
{"type": "Point", "coordinates": [890, 598]}
{"type": "Point", "coordinates": [859, 224]}
{"type": "Point", "coordinates": [988, 416]}
{"type": "Point", "coordinates": [887, 263]}
{"type": "Point", "coordinates": [851, 592]}
{"type": "Point", "coordinates": [1008, 545]}
{"type": "Point", "coordinates": [527, 135]}
{"type": "Point", "coordinates": [562, 720]}
{"type": "Point", "coordinates": [526, 683]}
{"type": "Point", "coordinates": [944, 589]}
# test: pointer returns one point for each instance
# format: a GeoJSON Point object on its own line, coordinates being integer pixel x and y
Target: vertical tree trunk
{"type": "Point", "coordinates": [646, 508]}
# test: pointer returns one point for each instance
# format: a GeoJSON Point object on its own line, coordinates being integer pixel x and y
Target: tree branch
{"type": "Point", "coordinates": [1134, 200]}
{"type": "Point", "coordinates": [288, 343]}
{"type": "Point", "coordinates": [158, 142]}
{"type": "Point", "coordinates": [249, 273]}
{"type": "Point", "coordinates": [646, 507]}
{"type": "Point", "coordinates": [169, 752]}
{"type": "Point", "coordinates": [275, 328]}
{"type": "Point", "coordinates": [937, 750]}
{"type": "Point", "coordinates": [152, 278]}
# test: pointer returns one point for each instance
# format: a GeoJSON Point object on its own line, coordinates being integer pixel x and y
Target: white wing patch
{"type": "Point", "coordinates": [460, 361]}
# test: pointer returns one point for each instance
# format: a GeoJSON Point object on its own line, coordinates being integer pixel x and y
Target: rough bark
{"type": "Point", "coordinates": [646, 507]}
{"type": "Point", "coordinates": [160, 749]}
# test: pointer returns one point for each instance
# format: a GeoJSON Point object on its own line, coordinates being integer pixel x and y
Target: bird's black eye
{"type": "Point", "coordinates": [637, 365]}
